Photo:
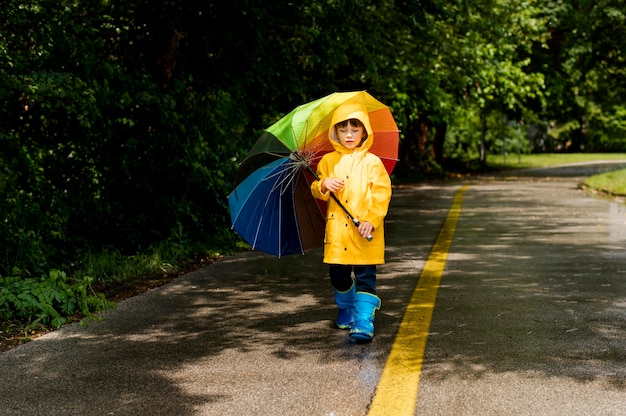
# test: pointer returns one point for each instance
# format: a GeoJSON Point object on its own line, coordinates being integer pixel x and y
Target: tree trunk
{"type": "Point", "coordinates": [483, 134]}
{"type": "Point", "coordinates": [167, 61]}
{"type": "Point", "coordinates": [413, 148]}
{"type": "Point", "coordinates": [439, 141]}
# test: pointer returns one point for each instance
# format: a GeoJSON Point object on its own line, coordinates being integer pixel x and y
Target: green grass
{"type": "Point", "coordinates": [613, 183]}
{"type": "Point", "coordinates": [548, 159]}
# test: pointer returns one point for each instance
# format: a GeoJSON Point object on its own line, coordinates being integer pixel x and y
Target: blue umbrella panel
{"type": "Point", "coordinates": [274, 211]}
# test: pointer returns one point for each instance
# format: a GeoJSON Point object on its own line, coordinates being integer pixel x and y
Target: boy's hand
{"type": "Point", "coordinates": [365, 229]}
{"type": "Point", "coordinates": [332, 185]}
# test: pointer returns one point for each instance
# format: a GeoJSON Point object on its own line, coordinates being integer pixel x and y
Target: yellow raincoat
{"type": "Point", "coordinates": [366, 194]}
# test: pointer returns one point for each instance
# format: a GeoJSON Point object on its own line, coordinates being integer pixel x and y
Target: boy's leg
{"type": "Point", "coordinates": [341, 279]}
{"type": "Point", "coordinates": [340, 276]}
{"type": "Point", "coordinates": [366, 303]}
{"type": "Point", "coordinates": [365, 278]}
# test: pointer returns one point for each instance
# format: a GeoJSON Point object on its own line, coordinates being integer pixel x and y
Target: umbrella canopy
{"type": "Point", "coordinates": [272, 207]}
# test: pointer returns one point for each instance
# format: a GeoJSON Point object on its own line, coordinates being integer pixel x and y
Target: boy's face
{"type": "Point", "coordinates": [350, 136]}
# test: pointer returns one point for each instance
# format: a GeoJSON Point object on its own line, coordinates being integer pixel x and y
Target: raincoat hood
{"type": "Point", "coordinates": [346, 112]}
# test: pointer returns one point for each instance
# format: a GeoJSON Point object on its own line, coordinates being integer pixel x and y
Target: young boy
{"type": "Point", "coordinates": [359, 180]}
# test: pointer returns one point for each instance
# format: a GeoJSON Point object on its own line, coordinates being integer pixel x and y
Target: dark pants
{"type": "Point", "coordinates": [341, 277]}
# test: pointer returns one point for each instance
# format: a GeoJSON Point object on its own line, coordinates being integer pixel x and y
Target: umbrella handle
{"type": "Point", "coordinates": [356, 224]}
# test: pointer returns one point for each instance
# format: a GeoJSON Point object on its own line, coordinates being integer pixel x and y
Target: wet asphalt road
{"type": "Point", "coordinates": [530, 319]}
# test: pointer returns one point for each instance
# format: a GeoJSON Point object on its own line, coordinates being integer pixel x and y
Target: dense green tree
{"type": "Point", "coordinates": [584, 68]}
{"type": "Point", "coordinates": [102, 144]}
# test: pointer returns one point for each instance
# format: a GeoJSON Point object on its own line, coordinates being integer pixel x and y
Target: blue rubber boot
{"type": "Point", "coordinates": [345, 302]}
{"type": "Point", "coordinates": [366, 305]}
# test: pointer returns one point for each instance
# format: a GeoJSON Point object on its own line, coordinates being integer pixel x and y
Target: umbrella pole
{"type": "Point", "coordinates": [355, 221]}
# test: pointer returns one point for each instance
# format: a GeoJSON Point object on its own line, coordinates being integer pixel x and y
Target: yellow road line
{"type": "Point", "coordinates": [396, 394]}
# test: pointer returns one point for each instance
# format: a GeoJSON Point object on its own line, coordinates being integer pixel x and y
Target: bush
{"type": "Point", "coordinates": [97, 150]}
{"type": "Point", "coordinates": [50, 299]}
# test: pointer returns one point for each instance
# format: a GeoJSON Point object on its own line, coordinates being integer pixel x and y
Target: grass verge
{"type": "Point", "coordinates": [612, 183]}
{"type": "Point", "coordinates": [548, 159]}
{"type": "Point", "coordinates": [102, 279]}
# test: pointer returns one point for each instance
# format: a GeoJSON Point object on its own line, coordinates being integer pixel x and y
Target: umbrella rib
{"type": "Point", "coordinates": [281, 180]}
{"type": "Point", "coordinates": [249, 195]}
{"type": "Point", "coordinates": [288, 182]}
{"type": "Point", "coordinates": [310, 153]}
{"type": "Point", "coordinates": [278, 155]}
{"type": "Point", "coordinates": [265, 205]}
{"type": "Point", "coordinates": [294, 167]}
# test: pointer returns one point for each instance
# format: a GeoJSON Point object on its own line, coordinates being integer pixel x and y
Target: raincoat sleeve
{"type": "Point", "coordinates": [380, 191]}
{"type": "Point", "coordinates": [322, 173]}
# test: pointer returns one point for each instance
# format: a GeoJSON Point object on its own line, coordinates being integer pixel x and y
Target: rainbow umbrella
{"type": "Point", "coordinates": [271, 206]}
